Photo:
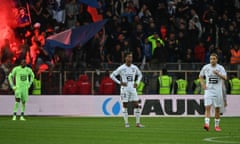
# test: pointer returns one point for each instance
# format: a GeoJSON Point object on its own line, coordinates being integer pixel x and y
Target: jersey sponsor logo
{"type": "Point", "coordinates": [212, 79]}
{"type": "Point", "coordinates": [110, 107]}
{"type": "Point", "coordinates": [23, 77]}
{"type": "Point", "coordinates": [133, 70]}
{"type": "Point", "coordinates": [129, 78]}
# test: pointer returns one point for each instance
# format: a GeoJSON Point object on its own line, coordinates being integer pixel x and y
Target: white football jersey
{"type": "Point", "coordinates": [214, 83]}
{"type": "Point", "coordinates": [127, 75]}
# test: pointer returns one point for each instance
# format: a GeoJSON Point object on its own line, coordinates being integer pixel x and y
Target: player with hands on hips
{"type": "Point", "coordinates": [128, 72]}
{"type": "Point", "coordinates": [20, 80]}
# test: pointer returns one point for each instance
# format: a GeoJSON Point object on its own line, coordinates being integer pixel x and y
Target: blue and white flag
{"type": "Point", "coordinates": [74, 36]}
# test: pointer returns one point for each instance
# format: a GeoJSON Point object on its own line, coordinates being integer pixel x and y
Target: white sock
{"type": "Point", "coordinates": [137, 114]}
{"type": "Point", "coordinates": [125, 115]}
{"type": "Point", "coordinates": [207, 121]}
{"type": "Point", "coordinates": [217, 121]}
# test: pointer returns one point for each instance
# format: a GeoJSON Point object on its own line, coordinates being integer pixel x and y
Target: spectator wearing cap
{"type": "Point", "coordinates": [37, 25]}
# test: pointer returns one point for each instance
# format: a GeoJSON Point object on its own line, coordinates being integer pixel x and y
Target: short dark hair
{"type": "Point", "coordinates": [22, 8]}
{"type": "Point", "coordinates": [214, 54]}
{"type": "Point", "coordinates": [127, 53]}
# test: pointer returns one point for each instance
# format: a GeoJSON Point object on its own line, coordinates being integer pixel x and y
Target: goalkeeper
{"type": "Point", "coordinates": [20, 80]}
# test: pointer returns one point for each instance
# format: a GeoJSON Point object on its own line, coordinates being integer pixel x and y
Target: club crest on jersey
{"type": "Point", "coordinates": [208, 71]}
{"type": "Point", "coordinates": [133, 70]}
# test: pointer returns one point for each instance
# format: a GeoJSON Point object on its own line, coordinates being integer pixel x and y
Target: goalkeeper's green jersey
{"type": "Point", "coordinates": [21, 77]}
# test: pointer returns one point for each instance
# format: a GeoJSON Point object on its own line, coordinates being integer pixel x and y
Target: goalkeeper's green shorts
{"type": "Point", "coordinates": [22, 93]}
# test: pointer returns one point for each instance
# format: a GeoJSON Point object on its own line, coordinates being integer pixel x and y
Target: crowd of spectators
{"type": "Point", "coordinates": [156, 31]}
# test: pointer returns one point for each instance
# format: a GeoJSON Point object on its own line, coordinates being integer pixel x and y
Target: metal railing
{"type": "Point", "coordinates": [53, 85]}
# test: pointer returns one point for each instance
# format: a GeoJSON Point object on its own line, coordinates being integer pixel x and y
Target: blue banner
{"type": "Point", "coordinates": [73, 37]}
{"type": "Point", "coordinates": [92, 3]}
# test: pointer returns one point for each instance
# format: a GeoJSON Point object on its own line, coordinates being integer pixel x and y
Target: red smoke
{"type": "Point", "coordinates": [8, 14]}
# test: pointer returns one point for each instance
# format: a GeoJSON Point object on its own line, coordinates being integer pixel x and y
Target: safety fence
{"type": "Point", "coordinates": [54, 84]}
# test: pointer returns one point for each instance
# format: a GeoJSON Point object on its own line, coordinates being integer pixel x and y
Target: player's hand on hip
{"type": "Point", "coordinates": [123, 84]}
{"type": "Point", "coordinates": [14, 88]}
{"type": "Point", "coordinates": [204, 86]}
{"type": "Point", "coordinates": [135, 85]}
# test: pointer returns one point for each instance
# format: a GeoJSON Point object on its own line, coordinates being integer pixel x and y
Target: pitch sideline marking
{"type": "Point", "coordinates": [214, 139]}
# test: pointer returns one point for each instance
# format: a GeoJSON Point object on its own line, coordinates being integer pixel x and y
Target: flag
{"type": "Point", "coordinates": [74, 36]}
{"type": "Point", "coordinates": [92, 3]}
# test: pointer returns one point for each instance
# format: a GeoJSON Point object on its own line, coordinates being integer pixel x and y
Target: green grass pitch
{"type": "Point", "coordinates": [111, 130]}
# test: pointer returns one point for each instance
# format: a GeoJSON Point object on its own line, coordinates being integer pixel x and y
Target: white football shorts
{"type": "Point", "coordinates": [213, 101]}
{"type": "Point", "coordinates": [128, 94]}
